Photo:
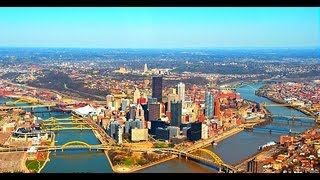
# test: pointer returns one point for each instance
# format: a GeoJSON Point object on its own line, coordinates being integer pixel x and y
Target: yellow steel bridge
{"type": "Point", "coordinates": [74, 145]}
{"type": "Point", "coordinates": [293, 116]}
{"type": "Point", "coordinates": [203, 155]}
{"type": "Point", "coordinates": [25, 99]}
{"type": "Point", "coordinates": [285, 104]}
{"type": "Point", "coordinates": [60, 128]}
{"type": "Point", "coordinates": [55, 124]}
{"type": "Point", "coordinates": [33, 103]}
{"type": "Point", "coordinates": [53, 120]}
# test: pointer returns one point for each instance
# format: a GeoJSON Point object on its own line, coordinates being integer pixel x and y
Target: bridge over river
{"type": "Point", "coordinates": [203, 156]}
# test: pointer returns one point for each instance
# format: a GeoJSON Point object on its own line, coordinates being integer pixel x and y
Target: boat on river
{"type": "Point", "coordinates": [271, 143]}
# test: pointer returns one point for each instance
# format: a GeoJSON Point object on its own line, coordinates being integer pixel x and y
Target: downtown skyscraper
{"type": "Point", "coordinates": [176, 113]}
{"type": "Point", "coordinates": [181, 93]}
{"type": "Point", "coordinates": [209, 105]}
{"type": "Point", "coordinates": [157, 88]}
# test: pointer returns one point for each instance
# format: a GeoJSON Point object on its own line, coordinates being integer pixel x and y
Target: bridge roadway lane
{"type": "Point", "coordinates": [108, 147]}
{"type": "Point", "coordinates": [107, 139]}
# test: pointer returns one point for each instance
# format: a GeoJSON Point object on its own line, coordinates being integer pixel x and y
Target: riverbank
{"type": "Point", "coordinates": [258, 93]}
{"type": "Point", "coordinates": [125, 169]}
{"type": "Point", "coordinates": [228, 134]}
{"type": "Point", "coordinates": [237, 130]}
{"type": "Point", "coordinates": [97, 135]}
{"type": "Point", "coordinates": [258, 157]}
{"type": "Point", "coordinates": [45, 161]}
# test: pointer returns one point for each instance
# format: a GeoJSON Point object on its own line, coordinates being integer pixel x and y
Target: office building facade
{"type": "Point", "coordinates": [209, 105]}
{"type": "Point", "coordinates": [157, 88]}
{"type": "Point", "coordinates": [194, 133]}
{"type": "Point", "coordinates": [156, 124]}
{"type": "Point", "coordinates": [162, 134]}
{"type": "Point", "coordinates": [181, 93]}
{"type": "Point", "coordinates": [176, 113]}
{"type": "Point", "coordinates": [154, 111]}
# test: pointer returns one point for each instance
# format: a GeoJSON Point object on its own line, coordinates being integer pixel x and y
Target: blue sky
{"type": "Point", "coordinates": [131, 27]}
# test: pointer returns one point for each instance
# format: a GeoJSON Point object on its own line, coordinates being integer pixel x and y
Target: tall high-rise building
{"type": "Point", "coordinates": [204, 131]}
{"type": "Point", "coordinates": [127, 126]}
{"type": "Point", "coordinates": [162, 134]}
{"type": "Point", "coordinates": [117, 104]}
{"type": "Point", "coordinates": [115, 130]}
{"type": "Point", "coordinates": [131, 124]}
{"type": "Point", "coordinates": [111, 129]}
{"type": "Point", "coordinates": [109, 99]}
{"type": "Point", "coordinates": [136, 96]}
{"type": "Point", "coordinates": [154, 111]}
{"type": "Point", "coordinates": [157, 88]}
{"type": "Point", "coordinates": [140, 113]}
{"type": "Point", "coordinates": [133, 109]}
{"type": "Point", "coordinates": [145, 111]}
{"type": "Point", "coordinates": [124, 104]}
{"type": "Point", "coordinates": [145, 69]}
{"type": "Point", "coordinates": [119, 134]}
{"type": "Point", "coordinates": [156, 124]}
{"type": "Point", "coordinates": [217, 107]}
{"type": "Point", "coordinates": [171, 97]}
{"type": "Point", "coordinates": [176, 112]}
{"type": "Point", "coordinates": [209, 105]}
{"type": "Point", "coordinates": [181, 92]}
{"type": "Point", "coordinates": [194, 133]}
{"type": "Point", "coordinates": [151, 100]}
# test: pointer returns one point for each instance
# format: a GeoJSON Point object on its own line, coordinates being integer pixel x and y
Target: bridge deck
{"type": "Point", "coordinates": [92, 147]}
{"type": "Point", "coordinates": [64, 123]}
{"type": "Point", "coordinates": [70, 128]}
{"type": "Point", "coordinates": [292, 116]}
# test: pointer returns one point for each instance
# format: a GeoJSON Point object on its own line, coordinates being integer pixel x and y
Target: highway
{"type": "Point", "coordinates": [92, 95]}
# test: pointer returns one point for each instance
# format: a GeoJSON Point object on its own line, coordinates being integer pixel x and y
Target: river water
{"type": "Point", "coordinates": [230, 150]}
{"type": "Point", "coordinates": [76, 160]}
{"type": "Point", "coordinates": [243, 144]}
{"type": "Point", "coordinates": [73, 160]}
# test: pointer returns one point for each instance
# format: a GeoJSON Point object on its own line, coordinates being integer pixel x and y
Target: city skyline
{"type": "Point", "coordinates": [160, 27]}
{"type": "Point", "coordinates": [159, 111]}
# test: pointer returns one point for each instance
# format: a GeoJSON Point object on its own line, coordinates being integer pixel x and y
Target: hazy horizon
{"type": "Point", "coordinates": [177, 48]}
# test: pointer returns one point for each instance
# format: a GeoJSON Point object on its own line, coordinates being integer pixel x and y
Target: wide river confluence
{"type": "Point", "coordinates": [231, 150]}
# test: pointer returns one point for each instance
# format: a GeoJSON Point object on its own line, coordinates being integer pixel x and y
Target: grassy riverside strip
{"type": "Point", "coordinates": [125, 169]}
{"type": "Point", "coordinates": [45, 162]}
{"type": "Point", "coordinates": [34, 165]}
{"type": "Point", "coordinates": [37, 165]}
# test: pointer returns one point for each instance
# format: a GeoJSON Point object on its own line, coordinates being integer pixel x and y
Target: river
{"type": "Point", "coordinates": [230, 150]}
{"type": "Point", "coordinates": [243, 144]}
{"type": "Point", "coordinates": [76, 160]}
